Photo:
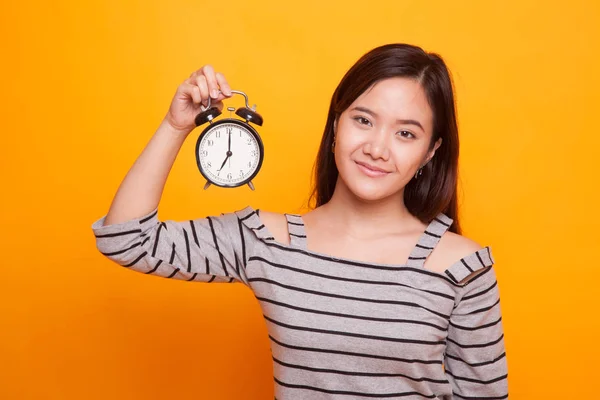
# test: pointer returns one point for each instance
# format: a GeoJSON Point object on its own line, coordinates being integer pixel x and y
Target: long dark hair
{"type": "Point", "coordinates": [435, 190]}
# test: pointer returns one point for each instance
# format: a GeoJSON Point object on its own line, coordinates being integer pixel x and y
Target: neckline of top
{"type": "Point", "coordinates": [455, 273]}
{"type": "Point", "coordinates": [419, 253]}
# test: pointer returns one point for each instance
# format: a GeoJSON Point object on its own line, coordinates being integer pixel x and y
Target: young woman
{"type": "Point", "coordinates": [373, 293]}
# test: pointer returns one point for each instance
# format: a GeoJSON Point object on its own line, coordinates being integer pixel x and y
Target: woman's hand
{"type": "Point", "coordinates": [194, 92]}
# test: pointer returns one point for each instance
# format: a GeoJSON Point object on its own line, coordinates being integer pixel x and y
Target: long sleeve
{"type": "Point", "coordinates": [475, 358]}
{"type": "Point", "coordinates": [202, 249]}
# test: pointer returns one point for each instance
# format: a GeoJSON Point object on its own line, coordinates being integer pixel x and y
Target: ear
{"type": "Point", "coordinates": [335, 125]}
{"type": "Point", "coordinates": [431, 153]}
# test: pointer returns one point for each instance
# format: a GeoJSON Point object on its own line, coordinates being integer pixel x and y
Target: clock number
{"type": "Point", "coordinates": [209, 142]}
{"type": "Point", "coordinates": [204, 153]}
{"type": "Point", "coordinates": [241, 173]}
{"type": "Point", "coordinates": [229, 175]}
{"type": "Point", "coordinates": [209, 164]}
{"type": "Point", "coordinates": [218, 134]}
{"type": "Point", "coordinates": [229, 130]}
{"type": "Point", "coordinates": [249, 141]}
{"type": "Point", "coordinates": [249, 164]}
{"type": "Point", "coordinates": [253, 153]}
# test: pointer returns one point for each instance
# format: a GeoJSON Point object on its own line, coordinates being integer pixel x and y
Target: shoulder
{"type": "Point", "coordinates": [276, 223]}
{"type": "Point", "coordinates": [450, 249]}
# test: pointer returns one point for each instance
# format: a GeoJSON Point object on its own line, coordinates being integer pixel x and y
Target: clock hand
{"type": "Point", "coordinates": [224, 161]}
{"type": "Point", "coordinates": [229, 143]}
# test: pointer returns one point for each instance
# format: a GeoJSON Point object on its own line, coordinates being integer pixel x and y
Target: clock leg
{"type": "Point", "coordinates": [206, 185]}
{"type": "Point", "coordinates": [251, 185]}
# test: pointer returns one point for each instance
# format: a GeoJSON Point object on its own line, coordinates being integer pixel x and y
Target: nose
{"type": "Point", "coordinates": [377, 146]}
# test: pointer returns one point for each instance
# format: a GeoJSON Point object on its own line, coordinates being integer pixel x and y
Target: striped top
{"type": "Point", "coordinates": [339, 328]}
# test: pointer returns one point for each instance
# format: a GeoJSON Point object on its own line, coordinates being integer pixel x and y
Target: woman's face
{"type": "Point", "coordinates": [383, 138]}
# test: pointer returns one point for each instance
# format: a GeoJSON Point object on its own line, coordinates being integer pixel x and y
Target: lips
{"type": "Point", "coordinates": [371, 170]}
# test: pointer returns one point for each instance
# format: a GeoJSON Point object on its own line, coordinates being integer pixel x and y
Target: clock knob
{"type": "Point", "coordinates": [207, 116]}
{"type": "Point", "coordinates": [250, 115]}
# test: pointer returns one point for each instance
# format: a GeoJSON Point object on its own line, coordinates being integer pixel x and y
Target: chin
{"type": "Point", "coordinates": [369, 191]}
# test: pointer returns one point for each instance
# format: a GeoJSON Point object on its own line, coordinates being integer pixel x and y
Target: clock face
{"type": "Point", "coordinates": [229, 153]}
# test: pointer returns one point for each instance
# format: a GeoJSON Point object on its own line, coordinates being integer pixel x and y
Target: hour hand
{"type": "Point", "coordinates": [224, 161]}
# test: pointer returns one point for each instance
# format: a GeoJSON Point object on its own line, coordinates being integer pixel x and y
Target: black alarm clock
{"type": "Point", "coordinates": [229, 152]}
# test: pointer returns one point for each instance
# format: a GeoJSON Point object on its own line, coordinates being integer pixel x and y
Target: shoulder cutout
{"type": "Point", "coordinates": [467, 258]}
{"type": "Point", "coordinates": [276, 224]}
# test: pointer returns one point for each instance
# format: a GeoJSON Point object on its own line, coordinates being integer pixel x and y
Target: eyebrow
{"type": "Point", "coordinates": [400, 121]}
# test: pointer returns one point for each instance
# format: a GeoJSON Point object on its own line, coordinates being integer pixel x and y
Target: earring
{"type": "Point", "coordinates": [333, 145]}
{"type": "Point", "coordinates": [419, 172]}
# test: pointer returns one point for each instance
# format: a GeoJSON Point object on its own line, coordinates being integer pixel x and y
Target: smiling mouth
{"type": "Point", "coordinates": [369, 171]}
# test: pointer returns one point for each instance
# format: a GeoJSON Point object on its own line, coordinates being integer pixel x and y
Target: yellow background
{"type": "Point", "coordinates": [85, 85]}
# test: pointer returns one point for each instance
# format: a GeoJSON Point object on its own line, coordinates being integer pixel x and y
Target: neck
{"type": "Point", "coordinates": [367, 218]}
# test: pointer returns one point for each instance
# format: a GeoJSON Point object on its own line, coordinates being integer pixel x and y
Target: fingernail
{"type": "Point", "coordinates": [214, 94]}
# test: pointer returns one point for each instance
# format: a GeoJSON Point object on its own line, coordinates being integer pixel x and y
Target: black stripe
{"type": "Point", "coordinates": [487, 382]}
{"type": "Point", "coordinates": [136, 260]}
{"type": "Point", "coordinates": [298, 236]}
{"type": "Point", "coordinates": [145, 240]}
{"type": "Point", "coordinates": [417, 258]}
{"type": "Point", "coordinates": [478, 345]}
{"type": "Point", "coordinates": [269, 238]}
{"type": "Point", "coordinates": [149, 217]}
{"type": "Point", "coordinates": [343, 279]}
{"type": "Point", "coordinates": [479, 364]}
{"type": "Point", "coordinates": [493, 285]}
{"type": "Point", "coordinates": [187, 250]}
{"type": "Point", "coordinates": [489, 254]}
{"type": "Point", "coordinates": [123, 251]}
{"type": "Point", "coordinates": [212, 278]}
{"type": "Point", "coordinates": [119, 233]}
{"type": "Point", "coordinates": [481, 397]}
{"type": "Point", "coordinates": [207, 267]}
{"type": "Point", "coordinates": [214, 235]}
{"type": "Point", "coordinates": [155, 267]}
{"type": "Point", "coordinates": [432, 234]}
{"type": "Point", "coordinates": [403, 267]}
{"type": "Point", "coordinates": [475, 328]}
{"type": "Point", "coordinates": [157, 238]}
{"type": "Point", "coordinates": [258, 228]}
{"type": "Point", "coordinates": [174, 273]}
{"type": "Point", "coordinates": [462, 260]}
{"type": "Point", "coordinates": [352, 373]}
{"type": "Point", "coordinates": [348, 353]}
{"type": "Point", "coordinates": [193, 277]}
{"type": "Point", "coordinates": [362, 394]}
{"type": "Point", "coordinates": [479, 258]}
{"type": "Point", "coordinates": [194, 233]}
{"type": "Point", "coordinates": [172, 254]}
{"type": "Point", "coordinates": [482, 309]}
{"type": "Point", "coordinates": [248, 216]}
{"type": "Point", "coordinates": [244, 260]}
{"type": "Point", "coordinates": [442, 222]}
{"type": "Point", "coordinates": [237, 265]}
{"type": "Point", "coordinates": [311, 311]}
{"type": "Point", "coordinates": [358, 335]}
{"type": "Point", "coordinates": [339, 296]}
{"type": "Point", "coordinates": [424, 247]}
{"type": "Point", "coordinates": [451, 276]}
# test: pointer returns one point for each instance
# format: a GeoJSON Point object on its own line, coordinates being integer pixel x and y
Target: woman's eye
{"type": "Point", "coordinates": [362, 120]}
{"type": "Point", "coordinates": [405, 134]}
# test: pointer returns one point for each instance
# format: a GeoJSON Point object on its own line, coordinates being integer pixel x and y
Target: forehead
{"type": "Point", "coordinates": [397, 98]}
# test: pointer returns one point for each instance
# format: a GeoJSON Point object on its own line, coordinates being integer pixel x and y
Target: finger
{"type": "Point", "coordinates": [225, 88]}
{"type": "Point", "coordinates": [193, 91]}
{"type": "Point", "coordinates": [211, 79]}
{"type": "Point", "coordinates": [202, 85]}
